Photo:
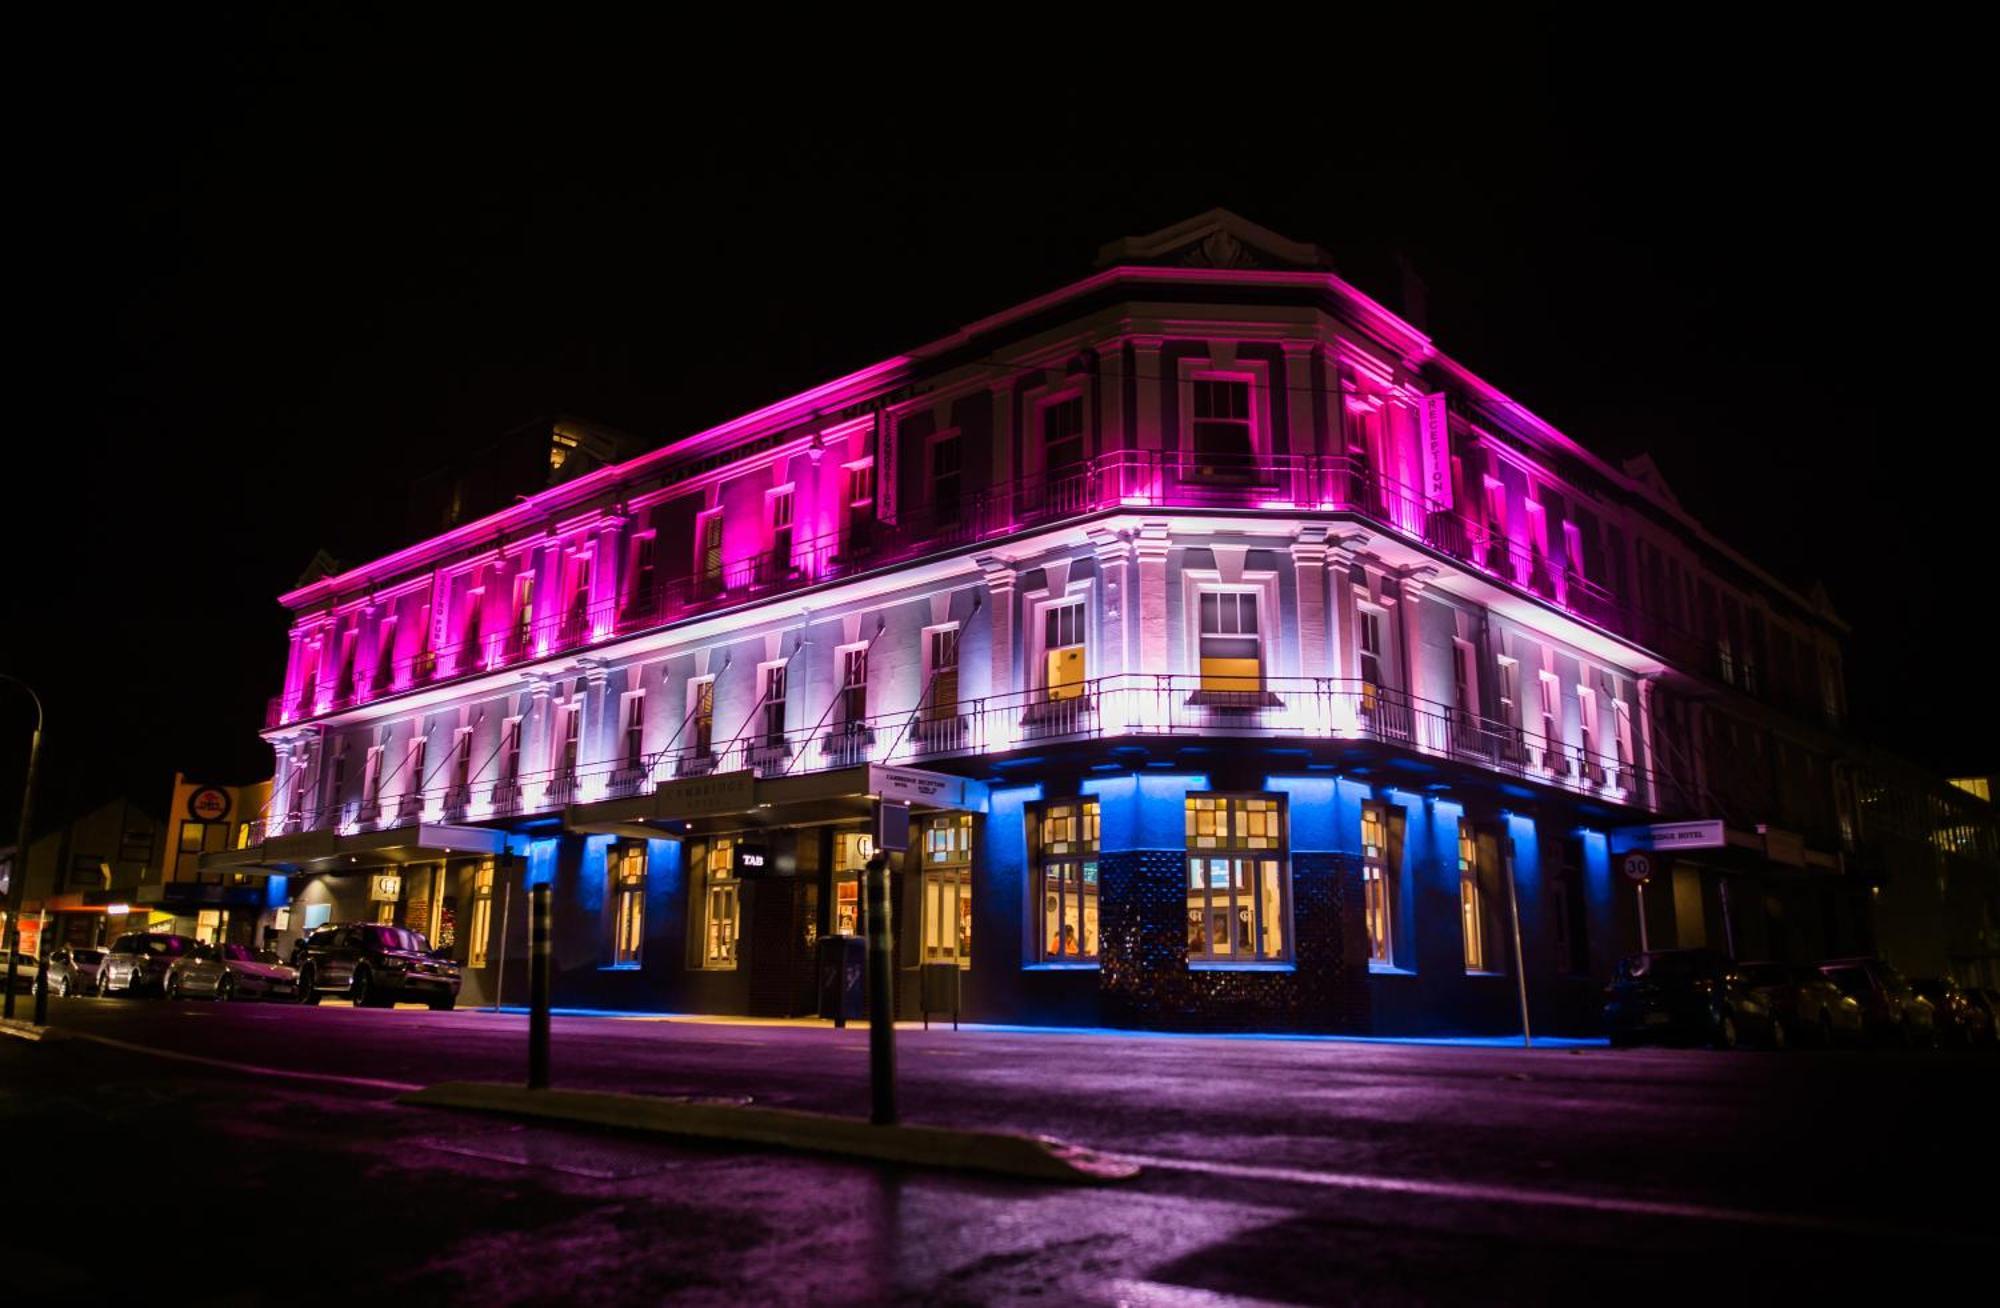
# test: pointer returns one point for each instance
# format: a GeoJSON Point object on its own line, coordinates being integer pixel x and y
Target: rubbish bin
{"type": "Point", "coordinates": [940, 991]}
{"type": "Point", "coordinates": [843, 964]}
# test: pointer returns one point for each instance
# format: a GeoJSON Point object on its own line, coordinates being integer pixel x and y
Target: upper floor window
{"type": "Point", "coordinates": [854, 684]}
{"type": "Point", "coordinates": [1221, 425]}
{"type": "Point", "coordinates": [510, 752]}
{"type": "Point", "coordinates": [567, 737]}
{"type": "Point", "coordinates": [1063, 644]}
{"type": "Point", "coordinates": [632, 731]}
{"type": "Point", "coordinates": [1062, 435]}
{"type": "Point", "coordinates": [941, 672]}
{"type": "Point", "coordinates": [1231, 651]}
{"type": "Point", "coordinates": [524, 609]}
{"type": "Point", "coordinates": [1237, 882]}
{"type": "Point", "coordinates": [947, 484]}
{"type": "Point", "coordinates": [644, 564]}
{"type": "Point", "coordinates": [708, 547]}
{"type": "Point", "coordinates": [775, 690]}
{"type": "Point", "coordinates": [475, 613]}
{"type": "Point", "coordinates": [701, 716]}
{"type": "Point", "coordinates": [859, 520]}
{"type": "Point", "coordinates": [1066, 846]}
{"type": "Point", "coordinates": [780, 506]}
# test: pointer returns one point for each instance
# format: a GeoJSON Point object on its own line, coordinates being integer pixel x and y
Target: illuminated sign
{"type": "Point", "coordinates": [1671, 835]}
{"type": "Point", "coordinates": [754, 860]}
{"type": "Point", "coordinates": [1436, 442]}
{"type": "Point", "coordinates": [209, 804]}
{"type": "Point", "coordinates": [117, 910]}
{"type": "Point", "coordinates": [385, 889]}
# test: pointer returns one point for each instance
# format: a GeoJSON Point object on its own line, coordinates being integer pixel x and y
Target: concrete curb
{"type": "Point", "coordinates": [21, 1030]}
{"type": "Point", "coordinates": [1032, 1158]}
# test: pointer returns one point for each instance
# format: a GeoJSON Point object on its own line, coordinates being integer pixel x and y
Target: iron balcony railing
{"type": "Point", "coordinates": [1128, 479]}
{"type": "Point", "coordinates": [1134, 705]}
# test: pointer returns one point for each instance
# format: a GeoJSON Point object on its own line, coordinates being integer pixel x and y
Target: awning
{"type": "Point", "coordinates": [327, 851]}
{"type": "Point", "coordinates": [843, 794]}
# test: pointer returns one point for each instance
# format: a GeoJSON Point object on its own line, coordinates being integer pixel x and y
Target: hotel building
{"type": "Point", "coordinates": [1247, 662]}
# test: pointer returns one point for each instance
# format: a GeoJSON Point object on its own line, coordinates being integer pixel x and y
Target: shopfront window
{"type": "Point", "coordinates": [1237, 909]}
{"type": "Point", "coordinates": [715, 879]}
{"type": "Point", "coordinates": [1375, 883]}
{"type": "Point", "coordinates": [628, 905]}
{"type": "Point", "coordinates": [1066, 847]}
{"type": "Point", "coordinates": [1471, 901]}
{"type": "Point", "coordinates": [947, 889]}
{"type": "Point", "coordinates": [851, 850]}
{"type": "Point", "coordinates": [482, 914]}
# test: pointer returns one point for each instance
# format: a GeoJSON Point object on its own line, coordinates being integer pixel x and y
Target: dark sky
{"type": "Point", "coordinates": [287, 264]}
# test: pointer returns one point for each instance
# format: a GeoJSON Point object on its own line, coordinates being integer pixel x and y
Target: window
{"type": "Point", "coordinates": [632, 731]}
{"type": "Point", "coordinates": [510, 752]}
{"type": "Point", "coordinates": [1221, 429]}
{"type": "Point", "coordinates": [1062, 437]}
{"type": "Point", "coordinates": [1066, 843]}
{"type": "Point", "coordinates": [385, 651]}
{"type": "Point", "coordinates": [1586, 718]}
{"type": "Point", "coordinates": [1063, 650]}
{"type": "Point", "coordinates": [859, 526]}
{"type": "Point", "coordinates": [371, 782]}
{"type": "Point", "coordinates": [1509, 692]}
{"type": "Point", "coordinates": [336, 780]}
{"type": "Point", "coordinates": [628, 904]}
{"type": "Point", "coordinates": [947, 485]}
{"type": "Point", "coordinates": [1231, 654]}
{"type": "Point", "coordinates": [941, 677]}
{"type": "Point", "coordinates": [413, 768]}
{"type": "Point", "coordinates": [779, 503]}
{"type": "Point", "coordinates": [1471, 901]}
{"type": "Point", "coordinates": [708, 547]}
{"type": "Point", "coordinates": [715, 868]}
{"type": "Point", "coordinates": [482, 914]}
{"type": "Point", "coordinates": [947, 889]}
{"type": "Point", "coordinates": [578, 611]}
{"type": "Point", "coordinates": [566, 742]}
{"type": "Point", "coordinates": [640, 591]}
{"type": "Point", "coordinates": [854, 685]}
{"type": "Point", "coordinates": [1464, 681]}
{"type": "Point", "coordinates": [701, 716]}
{"type": "Point", "coordinates": [1551, 699]}
{"type": "Point", "coordinates": [1236, 898]}
{"type": "Point", "coordinates": [475, 614]}
{"type": "Point", "coordinates": [461, 765]}
{"type": "Point", "coordinates": [1369, 654]}
{"type": "Point", "coordinates": [1375, 883]}
{"type": "Point", "coordinates": [775, 689]}
{"type": "Point", "coordinates": [1622, 713]}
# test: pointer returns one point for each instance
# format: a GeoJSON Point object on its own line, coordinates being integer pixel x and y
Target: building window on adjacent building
{"type": "Point", "coordinates": [1369, 657]}
{"type": "Point", "coordinates": [940, 673]}
{"type": "Point", "coordinates": [715, 883]}
{"type": "Point", "coordinates": [1063, 645]}
{"type": "Point", "coordinates": [1232, 653]}
{"type": "Point", "coordinates": [1375, 885]}
{"type": "Point", "coordinates": [628, 903]}
{"type": "Point", "coordinates": [947, 481]}
{"type": "Point", "coordinates": [482, 914]}
{"type": "Point", "coordinates": [568, 735]}
{"type": "Point", "coordinates": [1221, 428]}
{"type": "Point", "coordinates": [1237, 891]}
{"type": "Point", "coordinates": [413, 772]}
{"type": "Point", "coordinates": [947, 889]}
{"type": "Point", "coordinates": [1066, 845]}
{"type": "Point", "coordinates": [1474, 912]}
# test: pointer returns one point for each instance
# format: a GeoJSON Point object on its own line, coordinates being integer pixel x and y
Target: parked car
{"type": "Point", "coordinates": [1686, 996]}
{"type": "Point", "coordinates": [231, 972]}
{"type": "Point", "coordinates": [73, 970]}
{"type": "Point", "coordinates": [23, 975]}
{"type": "Point", "coordinates": [138, 962]}
{"type": "Point", "coordinates": [1961, 1020]}
{"type": "Point", "coordinates": [1805, 1005]}
{"type": "Point", "coordinates": [1893, 1013]}
{"type": "Point", "coordinates": [375, 966]}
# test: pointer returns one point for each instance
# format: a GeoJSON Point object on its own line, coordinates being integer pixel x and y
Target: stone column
{"type": "Point", "coordinates": [1309, 553]}
{"type": "Point", "coordinates": [1342, 554]}
{"type": "Point", "coordinates": [594, 747]}
{"type": "Point", "coordinates": [1114, 557]}
{"type": "Point", "coordinates": [1001, 595]}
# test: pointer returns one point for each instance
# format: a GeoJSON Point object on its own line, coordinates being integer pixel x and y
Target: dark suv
{"type": "Point", "coordinates": [1689, 996]}
{"type": "Point", "coordinates": [374, 966]}
{"type": "Point", "coordinates": [139, 962]}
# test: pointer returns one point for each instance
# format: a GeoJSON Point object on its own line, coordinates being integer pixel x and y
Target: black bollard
{"type": "Point", "coordinates": [538, 988]}
{"type": "Point", "coordinates": [881, 998]}
{"type": "Point", "coordinates": [42, 979]}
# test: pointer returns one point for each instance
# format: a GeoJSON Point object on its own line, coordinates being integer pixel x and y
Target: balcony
{"type": "Point", "coordinates": [1288, 485]}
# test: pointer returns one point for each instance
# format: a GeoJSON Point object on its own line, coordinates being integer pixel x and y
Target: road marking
{"type": "Point", "coordinates": [1525, 1196]}
{"type": "Point", "coordinates": [250, 1069]}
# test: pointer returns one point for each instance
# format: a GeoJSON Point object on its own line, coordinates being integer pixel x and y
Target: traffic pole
{"type": "Point", "coordinates": [1639, 890]}
{"type": "Point", "coordinates": [17, 889]}
{"type": "Point", "coordinates": [1520, 970]}
{"type": "Point", "coordinates": [881, 1013]}
{"type": "Point", "coordinates": [42, 970]}
{"type": "Point", "coordinates": [538, 988]}
{"type": "Point", "coordinates": [506, 902]}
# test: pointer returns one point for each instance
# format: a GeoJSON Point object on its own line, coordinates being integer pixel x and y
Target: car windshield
{"type": "Point", "coordinates": [388, 937]}
{"type": "Point", "coordinates": [87, 955]}
{"type": "Point", "coordinates": [266, 956]}
{"type": "Point", "coordinates": [238, 954]}
{"type": "Point", "coordinates": [165, 946]}
{"type": "Point", "coordinates": [1851, 980]}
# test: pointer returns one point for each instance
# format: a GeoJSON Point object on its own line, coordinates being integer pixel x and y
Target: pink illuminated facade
{"type": "Point", "coordinates": [1253, 662]}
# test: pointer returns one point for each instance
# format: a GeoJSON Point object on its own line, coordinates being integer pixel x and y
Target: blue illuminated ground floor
{"type": "Point", "coordinates": [1212, 890]}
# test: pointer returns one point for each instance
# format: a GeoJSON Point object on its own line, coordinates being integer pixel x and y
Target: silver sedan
{"type": "Point", "coordinates": [231, 972]}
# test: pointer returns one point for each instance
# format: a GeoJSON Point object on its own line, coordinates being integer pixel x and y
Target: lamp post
{"type": "Point", "coordinates": [17, 890]}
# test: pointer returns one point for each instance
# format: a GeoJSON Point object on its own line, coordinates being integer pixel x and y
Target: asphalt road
{"type": "Point", "coordinates": [268, 1163]}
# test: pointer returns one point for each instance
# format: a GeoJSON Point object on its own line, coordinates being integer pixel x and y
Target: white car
{"type": "Point", "coordinates": [231, 972]}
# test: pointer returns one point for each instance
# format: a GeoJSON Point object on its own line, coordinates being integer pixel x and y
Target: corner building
{"type": "Point", "coordinates": [1249, 664]}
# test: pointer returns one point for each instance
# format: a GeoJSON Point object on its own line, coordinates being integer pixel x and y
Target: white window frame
{"type": "Point", "coordinates": [632, 730]}
{"type": "Point", "coordinates": [1232, 847]}
{"type": "Point", "coordinates": [1256, 372]}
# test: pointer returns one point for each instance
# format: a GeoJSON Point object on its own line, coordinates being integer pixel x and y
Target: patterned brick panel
{"type": "Point", "coordinates": [1145, 975]}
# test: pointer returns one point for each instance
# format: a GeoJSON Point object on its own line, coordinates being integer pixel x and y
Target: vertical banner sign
{"type": "Point", "coordinates": [1437, 450]}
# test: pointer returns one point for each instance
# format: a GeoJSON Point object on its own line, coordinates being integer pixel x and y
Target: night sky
{"type": "Point", "coordinates": [292, 263]}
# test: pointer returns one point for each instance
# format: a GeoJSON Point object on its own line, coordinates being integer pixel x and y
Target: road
{"type": "Point", "coordinates": [267, 1159]}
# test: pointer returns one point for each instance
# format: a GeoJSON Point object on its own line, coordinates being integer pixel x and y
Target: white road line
{"type": "Point", "coordinates": [250, 1069]}
{"type": "Point", "coordinates": [1474, 1192]}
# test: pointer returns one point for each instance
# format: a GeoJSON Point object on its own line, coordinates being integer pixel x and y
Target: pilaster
{"type": "Point", "coordinates": [1114, 565]}
{"type": "Point", "coordinates": [1002, 594]}
{"type": "Point", "coordinates": [1309, 554]}
{"type": "Point", "coordinates": [1152, 546]}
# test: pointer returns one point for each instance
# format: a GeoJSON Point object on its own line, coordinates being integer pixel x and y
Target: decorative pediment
{"type": "Point", "coordinates": [1642, 469]}
{"type": "Point", "coordinates": [1216, 239]}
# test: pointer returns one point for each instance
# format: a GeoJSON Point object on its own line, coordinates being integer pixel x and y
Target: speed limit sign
{"type": "Point", "coordinates": [1637, 867]}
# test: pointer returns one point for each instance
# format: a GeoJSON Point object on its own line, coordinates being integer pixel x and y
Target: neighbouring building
{"type": "Point", "coordinates": [1246, 661]}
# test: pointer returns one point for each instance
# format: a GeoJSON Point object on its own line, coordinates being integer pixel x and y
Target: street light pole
{"type": "Point", "coordinates": [17, 890]}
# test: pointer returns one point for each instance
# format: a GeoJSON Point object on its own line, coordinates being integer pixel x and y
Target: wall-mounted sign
{"type": "Point", "coordinates": [1637, 867]}
{"type": "Point", "coordinates": [1436, 441]}
{"type": "Point", "coordinates": [724, 792]}
{"type": "Point", "coordinates": [753, 860]}
{"type": "Point", "coordinates": [892, 826]}
{"type": "Point", "coordinates": [209, 804]}
{"type": "Point", "coordinates": [916, 786]}
{"type": "Point", "coordinates": [384, 888]}
{"type": "Point", "coordinates": [1671, 835]}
